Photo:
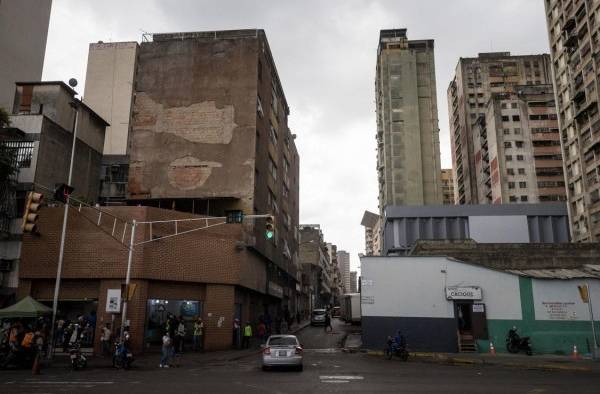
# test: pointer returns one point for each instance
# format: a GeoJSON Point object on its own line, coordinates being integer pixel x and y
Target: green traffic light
{"type": "Point", "coordinates": [269, 234]}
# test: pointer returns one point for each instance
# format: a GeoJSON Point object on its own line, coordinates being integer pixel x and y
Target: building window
{"type": "Point", "coordinates": [272, 168]}
{"type": "Point", "coordinates": [519, 144]}
{"type": "Point", "coordinates": [507, 144]}
{"type": "Point", "coordinates": [259, 70]}
{"type": "Point", "coordinates": [274, 103]}
{"type": "Point", "coordinates": [273, 135]}
{"type": "Point", "coordinates": [523, 185]}
{"type": "Point", "coordinates": [513, 105]}
{"type": "Point", "coordinates": [259, 107]}
{"type": "Point", "coordinates": [517, 131]}
{"type": "Point", "coordinates": [511, 185]}
{"type": "Point", "coordinates": [512, 199]}
{"type": "Point", "coordinates": [510, 171]}
{"type": "Point", "coordinates": [520, 157]}
{"type": "Point", "coordinates": [505, 118]}
{"type": "Point", "coordinates": [506, 131]}
{"type": "Point", "coordinates": [272, 202]}
{"type": "Point", "coordinates": [521, 171]}
{"type": "Point", "coordinates": [503, 105]}
{"type": "Point", "coordinates": [524, 198]}
{"type": "Point", "coordinates": [516, 118]}
{"type": "Point", "coordinates": [21, 152]}
{"type": "Point", "coordinates": [508, 157]}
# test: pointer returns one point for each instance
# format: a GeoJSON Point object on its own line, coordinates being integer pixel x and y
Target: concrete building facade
{"type": "Point", "coordinates": [447, 186]}
{"type": "Point", "coordinates": [373, 232]}
{"type": "Point", "coordinates": [408, 153]}
{"type": "Point", "coordinates": [475, 80]}
{"type": "Point", "coordinates": [344, 263]}
{"type": "Point", "coordinates": [41, 136]}
{"type": "Point", "coordinates": [573, 32]}
{"type": "Point", "coordinates": [488, 223]}
{"type": "Point", "coordinates": [517, 148]}
{"type": "Point", "coordinates": [316, 266]}
{"type": "Point", "coordinates": [353, 282]}
{"type": "Point", "coordinates": [109, 89]}
{"type": "Point", "coordinates": [23, 34]}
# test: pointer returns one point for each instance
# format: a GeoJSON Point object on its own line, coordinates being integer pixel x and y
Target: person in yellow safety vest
{"type": "Point", "coordinates": [247, 335]}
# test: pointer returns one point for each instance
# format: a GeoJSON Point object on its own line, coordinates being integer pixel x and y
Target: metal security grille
{"type": "Point", "coordinates": [22, 151]}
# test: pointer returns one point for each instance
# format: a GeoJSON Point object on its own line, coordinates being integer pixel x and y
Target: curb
{"type": "Point", "coordinates": [440, 358]}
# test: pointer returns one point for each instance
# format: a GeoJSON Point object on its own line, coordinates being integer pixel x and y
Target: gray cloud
{"type": "Point", "coordinates": [325, 53]}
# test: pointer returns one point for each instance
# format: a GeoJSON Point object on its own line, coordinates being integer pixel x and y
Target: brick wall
{"type": "Point", "coordinates": [219, 310]}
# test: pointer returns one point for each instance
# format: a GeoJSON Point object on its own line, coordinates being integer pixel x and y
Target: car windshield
{"type": "Point", "coordinates": [283, 341]}
{"type": "Point", "coordinates": [318, 312]}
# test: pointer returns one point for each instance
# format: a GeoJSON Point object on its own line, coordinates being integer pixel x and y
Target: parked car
{"type": "Point", "coordinates": [318, 317]}
{"type": "Point", "coordinates": [282, 351]}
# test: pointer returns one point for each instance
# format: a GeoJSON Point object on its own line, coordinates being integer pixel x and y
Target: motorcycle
{"type": "Point", "coordinates": [516, 343]}
{"type": "Point", "coordinates": [396, 349]}
{"type": "Point", "coordinates": [16, 358]}
{"type": "Point", "coordinates": [78, 359]}
{"type": "Point", "coordinates": [123, 357]}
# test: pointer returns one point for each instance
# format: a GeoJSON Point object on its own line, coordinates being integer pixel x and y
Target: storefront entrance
{"type": "Point", "coordinates": [157, 312]}
{"type": "Point", "coordinates": [471, 324]}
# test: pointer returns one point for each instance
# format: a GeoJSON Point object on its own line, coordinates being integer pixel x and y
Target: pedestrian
{"type": "Point", "coordinates": [247, 335]}
{"type": "Point", "coordinates": [199, 334]}
{"type": "Point", "coordinates": [166, 351]}
{"type": "Point", "coordinates": [236, 333]}
{"type": "Point", "coordinates": [268, 323]}
{"type": "Point", "coordinates": [180, 335]}
{"type": "Point", "coordinates": [328, 322]}
{"type": "Point", "coordinates": [261, 331]}
{"type": "Point", "coordinates": [105, 339]}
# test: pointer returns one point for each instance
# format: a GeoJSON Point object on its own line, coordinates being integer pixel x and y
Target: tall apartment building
{"type": "Point", "coordinates": [447, 186]}
{"type": "Point", "coordinates": [373, 231]}
{"type": "Point", "coordinates": [517, 148]}
{"type": "Point", "coordinates": [353, 282]}
{"type": "Point", "coordinates": [23, 34]}
{"type": "Point", "coordinates": [344, 263]}
{"type": "Point", "coordinates": [475, 80]}
{"type": "Point", "coordinates": [208, 132]}
{"type": "Point", "coordinates": [408, 154]}
{"type": "Point", "coordinates": [314, 257]}
{"type": "Point", "coordinates": [109, 89]}
{"type": "Point", "coordinates": [573, 31]}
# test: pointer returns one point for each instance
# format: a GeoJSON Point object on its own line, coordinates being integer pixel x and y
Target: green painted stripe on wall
{"type": "Point", "coordinates": [526, 293]}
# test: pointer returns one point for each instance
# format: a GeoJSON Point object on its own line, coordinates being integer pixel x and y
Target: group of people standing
{"type": "Point", "coordinates": [173, 340]}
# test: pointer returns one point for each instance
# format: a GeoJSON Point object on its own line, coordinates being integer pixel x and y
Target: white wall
{"type": "Point", "coordinates": [499, 229]}
{"type": "Point", "coordinates": [415, 287]}
{"type": "Point", "coordinates": [559, 299]}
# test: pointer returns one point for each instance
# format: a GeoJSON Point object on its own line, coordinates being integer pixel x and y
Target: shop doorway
{"type": "Point", "coordinates": [157, 312]}
{"type": "Point", "coordinates": [471, 323]}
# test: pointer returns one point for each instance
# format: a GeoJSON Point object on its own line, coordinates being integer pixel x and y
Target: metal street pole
{"type": "Point", "coordinates": [61, 252]}
{"type": "Point", "coordinates": [595, 351]}
{"type": "Point", "coordinates": [127, 280]}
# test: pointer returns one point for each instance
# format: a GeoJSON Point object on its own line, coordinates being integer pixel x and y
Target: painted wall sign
{"type": "Point", "coordinates": [463, 293]}
{"type": "Point", "coordinates": [478, 308]}
{"type": "Point", "coordinates": [113, 301]}
{"type": "Point", "coordinates": [560, 311]}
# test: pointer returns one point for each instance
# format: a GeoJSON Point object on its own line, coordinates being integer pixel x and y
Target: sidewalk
{"type": "Point", "coordinates": [537, 362]}
{"type": "Point", "coordinates": [150, 359]}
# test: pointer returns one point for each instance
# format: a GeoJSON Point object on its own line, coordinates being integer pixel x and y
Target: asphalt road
{"type": "Point", "coordinates": [326, 369]}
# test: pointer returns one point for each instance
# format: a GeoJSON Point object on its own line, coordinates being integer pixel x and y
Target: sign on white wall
{"type": "Point", "coordinates": [464, 293]}
{"type": "Point", "coordinates": [113, 301]}
{"type": "Point", "coordinates": [559, 311]}
{"type": "Point", "coordinates": [559, 299]}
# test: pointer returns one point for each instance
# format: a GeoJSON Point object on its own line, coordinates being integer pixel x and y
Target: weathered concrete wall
{"type": "Point", "coordinates": [194, 120]}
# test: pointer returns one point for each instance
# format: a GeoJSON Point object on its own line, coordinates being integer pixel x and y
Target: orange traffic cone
{"type": "Point", "coordinates": [35, 368]}
{"type": "Point", "coordinates": [492, 349]}
{"type": "Point", "coordinates": [575, 354]}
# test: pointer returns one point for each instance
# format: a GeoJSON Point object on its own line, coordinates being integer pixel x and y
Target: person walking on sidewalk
{"type": "Point", "coordinates": [180, 335]}
{"type": "Point", "coordinates": [105, 340]}
{"type": "Point", "coordinates": [261, 331]}
{"type": "Point", "coordinates": [328, 322]}
{"type": "Point", "coordinates": [236, 333]}
{"type": "Point", "coordinates": [247, 335]}
{"type": "Point", "coordinates": [199, 334]}
{"type": "Point", "coordinates": [166, 351]}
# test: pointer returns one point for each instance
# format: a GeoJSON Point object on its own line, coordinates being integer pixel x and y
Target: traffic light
{"type": "Point", "coordinates": [270, 227]}
{"type": "Point", "coordinates": [62, 192]}
{"type": "Point", "coordinates": [584, 294]}
{"type": "Point", "coordinates": [32, 206]}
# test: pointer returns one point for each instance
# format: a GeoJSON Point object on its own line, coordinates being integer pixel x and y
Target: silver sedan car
{"type": "Point", "coordinates": [282, 351]}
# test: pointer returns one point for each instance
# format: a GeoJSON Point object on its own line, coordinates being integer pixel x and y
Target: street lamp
{"type": "Point", "coordinates": [75, 105]}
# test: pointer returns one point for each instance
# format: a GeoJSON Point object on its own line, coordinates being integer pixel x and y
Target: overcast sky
{"type": "Point", "coordinates": [325, 53]}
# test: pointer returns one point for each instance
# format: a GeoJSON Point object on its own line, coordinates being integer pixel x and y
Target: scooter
{"type": "Point", "coordinates": [516, 343]}
{"type": "Point", "coordinates": [396, 349]}
{"type": "Point", "coordinates": [78, 359]}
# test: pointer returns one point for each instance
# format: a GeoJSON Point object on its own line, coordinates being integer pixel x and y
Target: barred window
{"type": "Point", "coordinates": [23, 151]}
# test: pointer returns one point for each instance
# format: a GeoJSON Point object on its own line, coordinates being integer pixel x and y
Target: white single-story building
{"type": "Point", "coordinates": [441, 304]}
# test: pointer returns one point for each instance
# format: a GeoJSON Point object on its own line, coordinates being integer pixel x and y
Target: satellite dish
{"type": "Point", "coordinates": [72, 82]}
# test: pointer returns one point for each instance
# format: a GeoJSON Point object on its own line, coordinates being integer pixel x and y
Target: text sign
{"type": "Point", "coordinates": [113, 301]}
{"type": "Point", "coordinates": [463, 293]}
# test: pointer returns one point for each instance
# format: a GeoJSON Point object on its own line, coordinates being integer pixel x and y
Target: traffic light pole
{"type": "Point", "coordinates": [127, 281]}
{"type": "Point", "coordinates": [61, 252]}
